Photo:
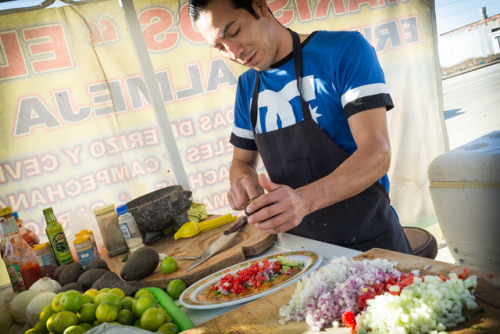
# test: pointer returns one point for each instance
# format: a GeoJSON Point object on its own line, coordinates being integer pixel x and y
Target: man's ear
{"type": "Point", "coordinates": [261, 8]}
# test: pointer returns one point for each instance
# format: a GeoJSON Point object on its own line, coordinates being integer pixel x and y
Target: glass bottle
{"type": "Point", "coordinates": [19, 258]}
{"type": "Point", "coordinates": [28, 235]}
{"type": "Point", "coordinates": [129, 228]}
{"type": "Point", "coordinates": [107, 220]}
{"type": "Point", "coordinates": [57, 238]}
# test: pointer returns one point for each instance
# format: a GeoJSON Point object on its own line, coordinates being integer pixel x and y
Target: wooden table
{"type": "Point", "coordinates": [262, 315]}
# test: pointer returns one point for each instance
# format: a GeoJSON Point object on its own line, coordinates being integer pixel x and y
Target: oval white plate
{"type": "Point", "coordinates": [189, 297]}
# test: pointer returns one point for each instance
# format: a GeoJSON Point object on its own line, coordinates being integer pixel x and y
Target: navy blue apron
{"type": "Point", "coordinates": [303, 153]}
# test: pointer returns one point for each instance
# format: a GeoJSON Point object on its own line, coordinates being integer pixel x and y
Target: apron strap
{"type": "Point", "coordinates": [297, 60]}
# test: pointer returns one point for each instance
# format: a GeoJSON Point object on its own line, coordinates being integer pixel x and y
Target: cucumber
{"type": "Point", "coordinates": [178, 317]}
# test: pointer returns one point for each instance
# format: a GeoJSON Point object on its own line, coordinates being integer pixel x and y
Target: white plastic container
{"type": "Point", "coordinates": [129, 228]}
{"type": "Point", "coordinates": [465, 191]}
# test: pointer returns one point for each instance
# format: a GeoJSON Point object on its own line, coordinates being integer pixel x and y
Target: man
{"type": "Point", "coordinates": [325, 149]}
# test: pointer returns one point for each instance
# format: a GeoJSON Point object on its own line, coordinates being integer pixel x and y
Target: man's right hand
{"type": "Point", "coordinates": [242, 191]}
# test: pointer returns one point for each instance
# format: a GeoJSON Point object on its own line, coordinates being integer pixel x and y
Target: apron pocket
{"type": "Point", "coordinates": [381, 241]}
{"type": "Point", "coordinates": [298, 173]}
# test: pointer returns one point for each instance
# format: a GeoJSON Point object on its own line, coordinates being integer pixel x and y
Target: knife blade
{"type": "Point", "coordinates": [220, 243]}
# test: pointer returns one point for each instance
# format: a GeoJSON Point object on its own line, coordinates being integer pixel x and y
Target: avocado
{"type": "Point", "coordinates": [73, 286]}
{"type": "Point", "coordinates": [112, 280]}
{"type": "Point", "coordinates": [88, 277]}
{"type": "Point", "coordinates": [287, 262]}
{"type": "Point", "coordinates": [142, 263]}
{"type": "Point", "coordinates": [97, 264]}
{"type": "Point", "coordinates": [70, 273]}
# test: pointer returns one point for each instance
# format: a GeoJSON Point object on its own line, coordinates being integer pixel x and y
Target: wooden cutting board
{"type": "Point", "coordinates": [262, 315]}
{"type": "Point", "coordinates": [249, 241]}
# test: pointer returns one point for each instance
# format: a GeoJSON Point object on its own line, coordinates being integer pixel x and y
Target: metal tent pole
{"type": "Point", "coordinates": [153, 90]}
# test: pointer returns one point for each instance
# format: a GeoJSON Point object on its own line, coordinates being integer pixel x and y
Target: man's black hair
{"type": "Point", "coordinates": [198, 6]}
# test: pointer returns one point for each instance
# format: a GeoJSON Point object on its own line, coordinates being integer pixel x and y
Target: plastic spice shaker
{"type": "Point", "coordinates": [129, 228]}
{"type": "Point", "coordinates": [107, 220]}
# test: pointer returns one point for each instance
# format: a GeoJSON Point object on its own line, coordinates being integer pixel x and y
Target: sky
{"type": "Point", "coordinates": [450, 14]}
{"type": "Point", "coordinates": [453, 14]}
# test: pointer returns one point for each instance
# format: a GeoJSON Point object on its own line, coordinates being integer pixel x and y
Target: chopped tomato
{"type": "Point", "coordinates": [349, 319]}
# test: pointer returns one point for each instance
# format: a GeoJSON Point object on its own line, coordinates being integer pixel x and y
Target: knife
{"type": "Point", "coordinates": [220, 243]}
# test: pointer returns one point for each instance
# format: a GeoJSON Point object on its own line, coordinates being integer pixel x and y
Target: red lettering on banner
{"type": "Point", "coordinates": [323, 8]}
{"type": "Point", "coordinates": [74, 154]}
{"type": "Point", "coordinates": [304, 10]}
{"type": "Point", "coordinates": [284, 16]}
{"type": "Point", "coordinates": [102, 32]}
{"type": "Point", "coordinates": [187, 27]}
{"type": "Point", "coordinates": [217, 201]}
{"type": "Point", "coordinates": [14, 61]}
{"type": "Point", "coordinates": [355, 4]}
{"type": "Point", "coordinates": [208, 177]}
{"type": "Point", "coordinates": [50, 42]}
{"type": "Point", "coordinates": [29, 167]}
{"type": "Point", "coordinates": [216, 120]}
{"type": "Point", "coordinates": [209, 150]}
{"type": "Point", "coordinates": [158, 21]}
{"type": "Point", "coordinates": [184, 129]}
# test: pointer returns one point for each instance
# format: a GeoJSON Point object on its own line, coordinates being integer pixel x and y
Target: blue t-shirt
{"type": "Point", "coordinates": [341, 76]}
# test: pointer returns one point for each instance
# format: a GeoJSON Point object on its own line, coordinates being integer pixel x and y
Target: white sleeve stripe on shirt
{"type": "Point", "coordinates": [362, 91]}
{"type": "Point", "coordinates": [243, 133]}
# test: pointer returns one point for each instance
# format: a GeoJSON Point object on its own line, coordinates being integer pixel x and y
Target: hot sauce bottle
{"type": "Point", "coordinates": [27, 234]}
{"type": "Point", "coordinates": [57, 238]}
{"type": "Point", "coordinates": [19, 257]}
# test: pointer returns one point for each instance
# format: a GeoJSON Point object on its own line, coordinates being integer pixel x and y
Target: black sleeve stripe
{"type": "Point", "coordinates": [246, 144]}
{"type": "Point", "coordinates": [368, 102]}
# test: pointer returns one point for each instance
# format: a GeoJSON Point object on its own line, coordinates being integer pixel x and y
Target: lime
{"type": "Point", "coordinates": [63, 320]}
{"type": "Point", "coordinates": [168, 328]}
{"type": "Point", "coordinates": [40, 326]}
{"type": "Point", "coordinates": [35, 331]}
{"type": "Point", "coordinates": [104, 290]}
{"type": "Point", "coordinates": [137, 323]}
{"type": "Point", "coordinates": [127, 303]}
{"type": "Point", "coordinates": [112, 299]}
{"type": "Point", "coordinates": [56, 302]}
{"type": "Point", "coordinates": [91, 292]}
{"type": "Point", "coordinates": [166, 317]}
{"type": "Point", "coordinates": [125, 317]}
{"type": "Point", "coordinates": [50, 323]}
{"type": "Point", "coordinates": [141, 292]}
{"type": "Point", "coordinates": [71, 300]}
{"type": "Point", "coordinates": [175, 288]}
{"type": "Point", "coordinates": [47, 311]}
{"type": "Point", "coordinates": [118, 292]}
{"type": "Point", "coordinates": [85, 325]}
{"type": "Point", "coordinates": [87, 298]}
{"type": "Point", "coordinates": [151, 319]}
{"type": "Point", "coordinates": [106, 312]}
{"type": "Point", "coordinates": [168, 265]}
{"type": "Point", "coordinates": [87, 313]}
{"type": "Point", "coordinates": [75, 329]}
{"type": "Point", "coordinates": [142, 304]}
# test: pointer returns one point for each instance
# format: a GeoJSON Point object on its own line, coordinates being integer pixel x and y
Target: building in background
{"type": "Point", "coordinates": [470, 46]}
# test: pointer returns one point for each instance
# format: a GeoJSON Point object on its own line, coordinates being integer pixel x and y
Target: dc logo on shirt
{"type": "Point", "coordinates": [279, 112]}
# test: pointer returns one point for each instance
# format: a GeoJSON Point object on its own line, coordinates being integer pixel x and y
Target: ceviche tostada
{"type": "Point", "coordinates": [372, 296]}
{"type": "Point", "coordinates": [250, 280]}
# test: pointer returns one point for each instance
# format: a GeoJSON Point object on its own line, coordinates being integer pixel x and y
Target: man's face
{"type": "Point", "coordinates": [238, 35]}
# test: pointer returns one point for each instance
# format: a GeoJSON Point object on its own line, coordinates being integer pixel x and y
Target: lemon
{"type": "Point", "coordinates": [151, 319]}
{"type": "Point", "coordinates": [106, 312]}
{"type": "Point", "coordinates": [142, 304]}
{"type": "Point", "coordinates": [86, 314]}
{"type": "Point", "coordinates": [71, 300]}
{"type": "Point", "coordinates": [92, 292]}
{"type": "Point", "coordinates": [125, 317]}
{"type": "Point", "coordinates": [168, 328]}
{"type": "Point", "coordinates": [63, 320]}
{"type": "Point", "coordinates": [175, 288]}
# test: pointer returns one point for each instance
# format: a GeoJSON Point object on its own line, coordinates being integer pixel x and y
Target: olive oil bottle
{"type": "Point", "coordinates": [57, 238]}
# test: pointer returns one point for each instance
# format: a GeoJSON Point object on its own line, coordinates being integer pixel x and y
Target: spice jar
{"type": "Point", "coordinates": [92, 240]}
{"type": "Point", "coordinates": [44, 255]}
{"type": "Point", "coordinates": [107, 220]}
{"type": "Point", "coordinates": [84, 249]}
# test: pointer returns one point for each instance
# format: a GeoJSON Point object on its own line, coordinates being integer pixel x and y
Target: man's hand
{"type": "Point", "coordinates": [280, 209]}
{"type": "Point", "coordinates": [242, 191]}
